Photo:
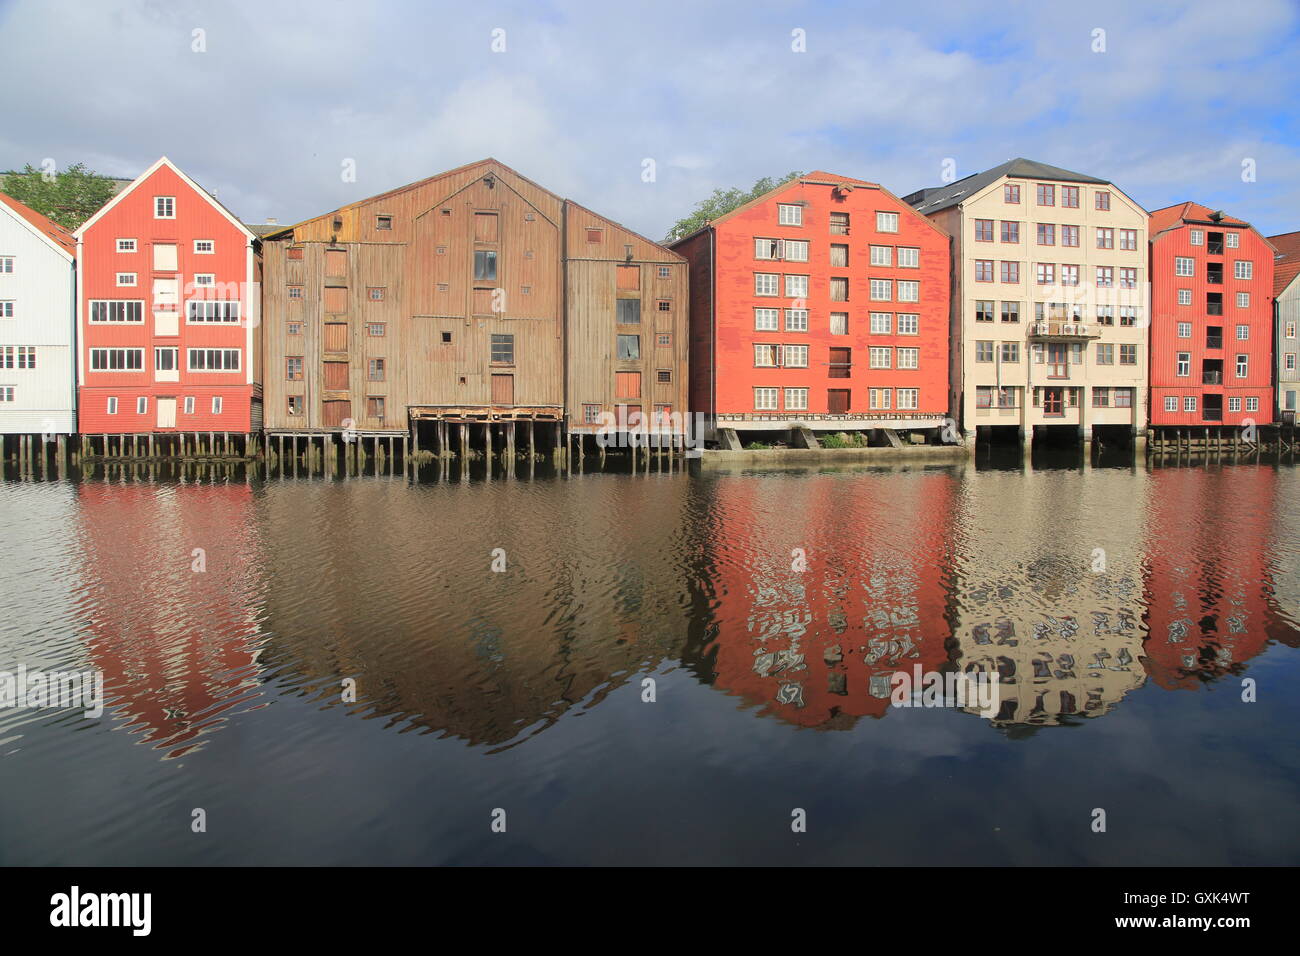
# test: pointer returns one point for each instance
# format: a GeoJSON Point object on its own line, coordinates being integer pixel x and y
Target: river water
{"type": "Point", "coordinates": [669, 668]}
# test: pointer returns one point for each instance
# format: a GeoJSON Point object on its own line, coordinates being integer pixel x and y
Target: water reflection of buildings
{"type": "Point", "coordinates": [817, 647]}
{"type": "Point", "coordinates": [177, 646]}
{"type": "Point", "coordinates": [1049, 591]}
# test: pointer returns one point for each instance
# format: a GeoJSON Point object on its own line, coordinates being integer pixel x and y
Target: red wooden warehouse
{"type": "Point", "coordinates": [1211, 319]}
{"type": "Point", "coordinates": [822, 303]}
{"type": "Point", "coordinates": [166, 314]}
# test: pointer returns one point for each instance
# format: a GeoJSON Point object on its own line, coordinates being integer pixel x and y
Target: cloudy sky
{"type": "Point", "coordinates": [584, 93]}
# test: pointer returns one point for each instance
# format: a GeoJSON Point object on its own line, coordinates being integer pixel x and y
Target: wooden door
{"type": "Point", "coordinates": [336, 376]}
{"type": "Point", "coordinates": [166, 413]}
{"type": "Point", "coordinates": [503, 389]}
{"type": "Point", "coordinates": [336, 413]}
{"type": "Point", "coordinates": [837, 401]}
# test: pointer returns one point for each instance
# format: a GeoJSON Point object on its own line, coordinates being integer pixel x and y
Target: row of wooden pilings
{"type": "Point", "coordinates": [1232, 441]}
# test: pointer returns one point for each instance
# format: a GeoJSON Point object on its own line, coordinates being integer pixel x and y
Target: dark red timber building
{"type": "Point", "coordinates": [823, 303]}
{"type": "Point", "coordinates": [1211, 321]}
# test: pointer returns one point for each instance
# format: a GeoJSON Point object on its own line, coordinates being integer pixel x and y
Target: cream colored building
{"type": "Point", "coordinates": [1050, 300]}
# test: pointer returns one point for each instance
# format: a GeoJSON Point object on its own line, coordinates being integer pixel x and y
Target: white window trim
{"type": "Point", "coordinates": [131, 280]}
{"type": "Point", "coordinates": [135, 246]}
{"type": "Point", "coordinates": [189, 356]}
{"type": "Point", "coordinates": [205, 252]}
{"type": "Point", "coordinates": [173, 207]}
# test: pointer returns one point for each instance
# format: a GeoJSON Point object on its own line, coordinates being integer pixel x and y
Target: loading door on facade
{"type": "Point", "coordinates": [837, 401]}
{"type": "Point", "coordinates": [336, 337]}
{"type": "Point", "coordinates": [503, 389]}
{"type": "Point", "coordinates": [336, 413]}
{"type": "Point", "coordinates": [166, 413]}
{"type": "Point", "coordinates": [336, 376]}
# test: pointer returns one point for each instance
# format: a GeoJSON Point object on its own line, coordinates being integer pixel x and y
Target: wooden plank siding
{"type": "Point", "coordinates": [406, 260]}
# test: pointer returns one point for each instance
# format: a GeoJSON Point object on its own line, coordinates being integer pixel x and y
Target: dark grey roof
{"type": "Point", "coordinates": [935, 198]}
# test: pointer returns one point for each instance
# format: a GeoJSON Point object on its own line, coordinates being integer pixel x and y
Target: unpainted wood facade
{"type": "Point", "coordinates": [473, 295]}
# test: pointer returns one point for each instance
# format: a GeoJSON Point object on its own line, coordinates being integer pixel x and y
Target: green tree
{"type": "Point", "coordinates": [69, 198]}
{"type": "Point", "coordinates": [722, 202]}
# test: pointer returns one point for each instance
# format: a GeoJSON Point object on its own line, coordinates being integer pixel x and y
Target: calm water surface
{"type": "Point", "coordinates": [1122, 608]}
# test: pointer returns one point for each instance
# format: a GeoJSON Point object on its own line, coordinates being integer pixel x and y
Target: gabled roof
{"type": "Point", "coordinates": [1180, 212]}
{"type": "Point", "coordinates": [933, 199]}
{"type": "Point", "coordinates": [164, 161]}
{"type": "Point", "coordinates": [1286, 266]}
{"type": "Point", "coordinates": [48, 229]}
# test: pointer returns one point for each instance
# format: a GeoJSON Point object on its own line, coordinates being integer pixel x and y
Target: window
{"type": "Point", "coordinates": [764, 355]}
{"type": "Point", "coordinates": [1046, 234]}
{"type": "Point", "coordinates": [114, 311]}
{"type": "Point", "coordinates": [1184, 330]}
{"type": "Point", "coordinates": [204, 247]}
{"type": "Point", "coordinates": [1046, 195]}
{"type": "Point", "coordinates": [1011, 193]}
{"type": "Point", "coordinates": [909, 358]}
{"type": "Point", "coordinates": [212, 310]}
{"type": "Point", "coordinates": [908, 323]}
{"type": "Point", "coordinates": [1171, 403]}
{"type": "Point", "coordinates": [1197, 237]}
{"type": "Point", "coordinates": [1243, 300]}
{"type": "Point", "coordinates": [1252, 404]}
{"type": "Point", "coordinates": [878, 398]}
{"type": "Point", "coordinates": [1070, 197]}
{"type": "Point", "coordinates": [665, 272]}
{"type": "Point", "coordinates": [444, 338]}
{"type": "Point", "coordinates": [796, 399]}
{"type": "Point", "coordinates": [839, 224]}
{"type": "Point", "coordinates": [1184, 266]}
{"type": "Point", "coordinates": [984, 351]}
{"type": "Point", "coordinates": [1069, 275]}
{"type": "Point", "coordinates": [765, 320]}
{"type": "Point", "coordinates": [1070, 235]}
{"type": "Point", "coordinates": [1101, 397]}
{"type": "Point", "coordinates": [1288, 361]}
{"type": "Point", "coordinates": [1128, 277]}
{"type": "Point", "coordinates": [376, 293]}
{"type": "Point", "coordinates": [628, 312]}
{"type": "Point", "coordinates": [205, 279]}
{"type": "Point", "coordinates": [214, 360]}
{"type": "Point", "coordinates": [591, 414]}
{"type": "Point", "coordinates": [882, 323]}
{"type": "Point", "coordinates": [1124, 397]}
{"type": "Point", "coordinates": [295, 404]}
{"type": "Point", "coordinates": [293, 368]}
{"type": "Point", "coordinates": [1105, 353]}
{"type": "Point", "coordinates": [909, 291]}
{"type": "Point", "coordinates": [909, 257]}
{"type": "Point", "coordinates": [1010, 352]}
{"type": "Point", "coordinates": [1046, 272]}
{"type": "Point", "coordinates": [216, 404]}
{"type": "Point", "coordinates": [1243, 332]}
{"type": "Point", "coordinates": [126, 278]}
{"type": "Point", "coordinates": [909, 398]}
{"type": "Point", "coordinates": [1105, 277]}
{"type": "Point", "coordinates": [880, 357]}
{"type": "Point", "coordinates": [664, 376]}
{"type": "Point", "coordinates": [839, 256]}
{"type": "Point", "coordinates": [1128, 355]}
{"type": "Point", "coordinates": [1183, 367]}
{"type": "Point", "coordinates": [112, 405]}
{"type": "Point", "coordinates": [1102, 200]}
{"type": "Point", "coordinates": [983, 310]}
{"type": "Point", "coordinates": [383, 223]}
{"type": "Point", "coordinates": [765, 399]}
{"type": "Point", "coordinates": [116, 360]}
{"type": "Point", "coordinates": [629, 348]}
{"type": "Point", "coordinates": [882, 290]}
{"type": "Point", "coordinates": [664, 305]}
{"type": "Point", "coordinates": [983, 270]}
{"type": "Point", "coordinates": [1010, 231]}
{"type": "Point", "coordinates": [983, 230]}
{"type": "Point", "coordinates": [295, 291]}
{"type": "Point", "coordinates": [766, 283]}
{"type": "Point", "coordinates": [796, 287]}
{"type": "Point", "coordinates": [1105, 238]}
{"type": "Point", "coordinates": [164, 207]}
{"type": "Point", "coordinates": [7, 309]}
{"type": "Point", "coordinates": [1010, 311]}
{"type": "Point", "coordinates": [294, 328]}
{"type": "Point", "coordinates": [1189, 403]}
{"type": "Point", "coordinates": [1234, 404]}
{"type": "Point", "coordinates": [839, 323]}
{"type": "Point", "coordinates": [1243, 365]}
{"type": "Point", "coordinates": [882, 255]}
{"type": "Point", "coordinates": [796, 250]}
{"type": "Point", "coordinates": [796, 320]}
{"type": "Point", "coordinates": [376, 329]}
{"type": "Point", "coordinates": [25, 354]}
{"type": "Point", "coordinates": [1289, 331]}
{"type": "Point", "coordinates": [503, 349]}
{"type": "Point", "coordinates": [166, 360]}
{"type": "Point", "coordinates": [123, 245]}
{"type": "Point", "coordinates": [1105, 315]}
{"type": "Point", "coordinates": [796, 356]}
{"type": "Point", "coordinates": [1184, 296]}
{"type": "Point", "coordinates": [1128, 239]}
{"type": "Point", "coordinates": [886, 222]}
{"type": "Point", "coordinates": [839, 289]}
{"type": "Point", "coordinates": [375, 406]}
{"type": "Point", "coordinates": [1243, 269]}
{"type": "Point", "coordinates": [767, 248]}
{"type": "Point", "coordinates": [485, 265]}
{"type": "Point", "coordinates": [789, 214]}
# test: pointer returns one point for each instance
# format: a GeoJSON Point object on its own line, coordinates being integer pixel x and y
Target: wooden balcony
{"type": "Point", "coordinates": [1063, 331]}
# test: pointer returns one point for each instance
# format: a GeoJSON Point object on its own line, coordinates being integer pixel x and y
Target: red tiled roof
{"type": "Point", "coordinates": [1287, 264]}
{"type": "Point", "coordinates": [47, 226]}
{"type": "Point", "coordinates": [1162, 219]}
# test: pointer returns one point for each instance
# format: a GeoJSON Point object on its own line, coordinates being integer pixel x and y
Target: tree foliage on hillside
{"type": "Point", "coordinates": [69, 198]}
{"type": "Point", "coordinates": [722, 202]}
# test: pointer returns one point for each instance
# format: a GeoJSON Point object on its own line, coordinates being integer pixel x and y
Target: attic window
{"type": "Point", "coordinates": [383, 222]}
{"type": "Point", "coordinates": [446, 212]}
{"type": "Point", "coordinates": [594, 235]}
{"type": "Point", "coordinates": [529, 217]}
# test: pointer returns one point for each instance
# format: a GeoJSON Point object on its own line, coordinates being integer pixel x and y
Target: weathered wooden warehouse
{"type": "Point", "coordinates": [472, 297]}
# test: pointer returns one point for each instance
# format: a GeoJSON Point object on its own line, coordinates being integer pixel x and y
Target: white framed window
{"type": "Point", "coordinates": [909, 398]}
{"type": "Point", "coordinates": [886, 222]}
{"type": "Point", "coordinates": [1288, 361]}
{"type": "Point", "coordinates": [1184, 266]}
{"type": "Point", "coordinates": [204, 279]}
{"type": "Point", "coordinates": [1183, 366]}
{"type": "Point", "coordinates": [1189, 403]}
{"type": "Point", "coordinates": [796, 250]}
{"type": "Point", "coordinates": [126, 278]}
{"type": "Point", "coordinates": [208, 311]}
{"type": "Point", "coordinates": [25, 356]}
{"type": "Point", "coordinates": [1184, 330]}
{"type": "Point", "coordinates": [882, 255]}
{"type": "Point", "coordinates": [166, 360]}
{"type": "Point", "coordinates": [164, 207]}
{"type": "Point", "coordinates": [111, 407]}
{"type": "Point", "coordinates": [1243, 333]}
{"type": "Point", "coordinates": [116, 311]}
{"type": "Point", "coordinates": [909, 323]}
{"type": "Point", "coordinates": [1234, 404]}
{"type": "Point", "coordinates": [881, 356]}
{"type": "Point", "coordinates": [204, 247]}
{"type": "Point", "coordinates": [1243, 269]}
{"type": "Point", "coordinates": [1198, 237]}
{"type": "Point", "coordinates": [766, 283]}
{"type": "Point", "coordinates": [909, 257]}
{"type": "Point", "coordinates": [1243, 366]}
{"type": "Point", "coordinates": [882, 323]}
{"type": "Point", "coordinates": [189, 404]}
{"type": "Point", "coordinates": [1252, 404]}
{"type": "Point", "coordinates": [764, 355]}
{"type": "Point", "coordinates": [766, 320]}
{"type": "Point", "coordinates": [1233, 240]}
{"type": "Point", "coordinates": [796, 356]}
{"type": "Point", "coordinates": [796, 320]}
{"type": "Point", "coordinates": [1184, 296]}
{"type": "Point", "coordinates": [1171, 403]}
{"type": "Point", "coordinates": [909, 358]}
{"type": "Point", "coordinates": [909, 290]}
{"type": "Point", "coordinates": [214, 360]}
{"type": "Point", "coordinates": [116, 360]}
{"type": "Point", "coordinates": [765, 399]}
{"type": "Point", "coordinates": [1290, 330]}
{"type": "Point", "coordinates": [796, 287]}
{"type": "Point", "coordinates": [882, 290]}
{"type": "Point", "coordinates": [216, 404]}
{"type": "Point", "coordinates": [767, 249]}
{"type": "Point", "coordinates": [6, 308]}
{"type": "Point", "coordinates": [796, 399]}
{"type": "Point", "coordinates": [1243, 300]}
{"type": "Point", "coordinates": [142, 405]}
{"type": "Point", "coordinates": [126, 245]}
{"type": "Point", "coordinates": [839, 323]}
{"type": "Point", "coordinates": [789, 214]}
{"type": "Point", "coordinates": [6, 393]}
{"type": "Point", "coordinates": [879, 398]}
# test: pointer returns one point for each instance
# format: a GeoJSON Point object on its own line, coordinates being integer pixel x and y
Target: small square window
{"type": "Point", "coordinates": [295, 404]}
{"type": "Point", "coordinates": [664, 376]}
{"type": "Point", "coordinates": [383, 222]}
{"type": "Point", "coordinates": [205, 247]}
{"type": "Point", "coordinates": [664, 339]}
{"type": "Point", "coordinates": [446, 338]}
{"type": "Point", "coordinates": [665, 272]}
{"type": "Point", "coordinates": [164, 207]}
{"type": "Point", "coordinates": [377, 293]}
{"type": "Point", "coordinates": [664, 305]}
{"type": "Point", "coordinates": [376, 329]}
{"type": "Point", "coordinates": [295, 291]}
{"type": "Point", "coordinates": [295, 328]}
{"type": "Point", "coordinates": [126, 245]}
